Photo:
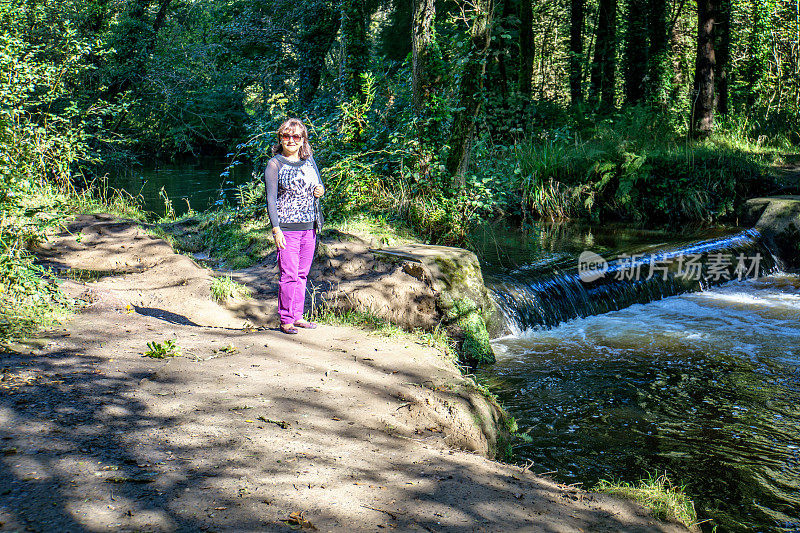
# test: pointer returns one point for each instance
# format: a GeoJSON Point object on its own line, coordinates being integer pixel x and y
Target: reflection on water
{"type": "Point", "coordinates": [196, 185]}
{"type": "Point", "coordinates": [503, 249]}
{"type": "Point", "coordinates": [704, 386]}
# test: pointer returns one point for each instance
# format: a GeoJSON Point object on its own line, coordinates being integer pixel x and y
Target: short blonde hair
{"type": "Point", "coordinates": [290, 125]}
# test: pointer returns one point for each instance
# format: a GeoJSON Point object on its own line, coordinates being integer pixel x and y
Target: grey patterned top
{"type": "Point", "coordinates": [290, 193]}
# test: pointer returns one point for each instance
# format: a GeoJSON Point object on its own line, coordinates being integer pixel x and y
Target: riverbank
{"type": "Point", "coordinates": [250, 429]}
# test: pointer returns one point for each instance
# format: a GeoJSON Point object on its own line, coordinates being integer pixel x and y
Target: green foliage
{"type": "Point", "coordinates": [354, 121]}
{"type": "Point", "coordinates": [224, 287]}
{"type": "Point", "coordinates": [157, 350]}
{"type": "Point", "coordinates": [169, 210]}
{"type": "Point", "coordinates": [44, 133]}
{"type": "Point", "coordinates": [635, 166]}
{"type": "Point", "coordinates": [658, 494]}
{"type": "Point", "coordinates": [29, 297]}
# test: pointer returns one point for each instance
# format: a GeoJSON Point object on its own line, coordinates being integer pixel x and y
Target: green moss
{"type": "Point", "coordinates": [455, 309]}
{"type": "Point", "coordinates": [475, 348]}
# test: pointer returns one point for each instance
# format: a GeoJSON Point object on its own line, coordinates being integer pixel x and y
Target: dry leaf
{"type": "Point", "coordinates": [296, 520]}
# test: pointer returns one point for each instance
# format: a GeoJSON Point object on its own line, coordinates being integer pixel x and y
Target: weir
{"type": "Point", "coordinates": [543, 297]}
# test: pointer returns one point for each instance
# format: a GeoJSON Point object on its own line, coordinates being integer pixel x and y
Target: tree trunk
{"type": "Point", "coordinates": [576, 50]}
{"type": "Point", "coordinates": [636, 51]}
{"type": "Point", "coordinates": [470, 89]}
{"type": "Point", "coordinates": [526, 48]}
{"type": "Point", "coordinates": [658, 66]}
{"type": "Point", "coordinates": [424, 12]}
{"type": "Point", "coordinates": [159, 22]}
{"type": "Point", "coordinates": [703, 104]}
{"type": "Point", "coordinates": [602, 87]}
{"type": "Point", "coordinates": [320, 25]}
{"type": "Point", "coordinates": [354, 48]}
{"type": "Point", "coordinates": [502, 52]}
{"type": "Point", "coordinates": [723, 32]}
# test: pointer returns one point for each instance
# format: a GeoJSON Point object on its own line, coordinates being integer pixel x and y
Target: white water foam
{"type": "Point", "coordinates": [747, 318]}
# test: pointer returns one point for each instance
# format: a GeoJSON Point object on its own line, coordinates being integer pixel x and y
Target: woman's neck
{"type": "Point", "coordinates": [292, 157]}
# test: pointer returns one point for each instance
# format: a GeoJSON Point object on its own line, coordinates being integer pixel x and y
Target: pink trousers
{"type": "Point", "coordinates": [294, 262]}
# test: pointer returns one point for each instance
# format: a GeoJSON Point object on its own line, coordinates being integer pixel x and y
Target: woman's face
{"type": "Point", "coordinates": [291, 141]}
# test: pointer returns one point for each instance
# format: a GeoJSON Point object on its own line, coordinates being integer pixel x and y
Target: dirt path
{"type": "Point", "coordinates": [251, 430]}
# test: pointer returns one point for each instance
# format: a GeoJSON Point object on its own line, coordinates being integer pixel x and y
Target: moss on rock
{"type": "Point", "coordinates": [475, 346]}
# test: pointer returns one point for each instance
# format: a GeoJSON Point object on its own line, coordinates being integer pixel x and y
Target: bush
{"type": "Point", "coordinates": [29, 298]}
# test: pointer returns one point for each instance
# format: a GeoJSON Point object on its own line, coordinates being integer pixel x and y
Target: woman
{"type": "Point", "coordinates": [293, 190]}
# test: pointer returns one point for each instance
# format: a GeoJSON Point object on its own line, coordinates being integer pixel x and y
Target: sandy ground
{"type": "Point", "coordinates": [251, 429]}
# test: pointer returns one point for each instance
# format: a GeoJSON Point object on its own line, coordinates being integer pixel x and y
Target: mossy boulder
{"type": "Point", "coordinates": [475, 346]}
{"type": "Point", "coordinates": [463, 300]}
{"type": "Point", "coordinates": [778, 220]}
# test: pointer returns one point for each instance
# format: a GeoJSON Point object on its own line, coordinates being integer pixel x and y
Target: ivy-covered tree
{"type": "Point", "coordinates": [576, 15]}
{"type": "Point", "coordinates": [423, 78]}
{"type": "Point", "coordinates": [705, 65]}
{"type": "Point", "coordinates": [602, 91]}
{"type": "Point", "coordinates": [636, 51]}
{"type": "Point", "coordinates": [658, 53]}
{"type": "Point", "coordinates": [470, 87]}
{"type": "Point", "coordinates": [527, 50]}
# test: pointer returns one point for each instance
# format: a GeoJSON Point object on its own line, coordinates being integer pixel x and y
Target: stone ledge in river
{"type": "Point", "coordinates": [778, 220]}
{"type": "Point", "coordinates": [461, 297]}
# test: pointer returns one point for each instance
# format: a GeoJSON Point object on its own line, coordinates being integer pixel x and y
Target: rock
{"type": "Point", "coordinates": [778, 220]}
{"type": "Point", "coordinates": [462, 298]}
{"type": "Point", "coordinates": [346, 276]}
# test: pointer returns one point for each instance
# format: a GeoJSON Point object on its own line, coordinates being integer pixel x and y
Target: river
{"type": "Point", "coordinates": [196, 185]}
{"type": "Point", "coordinates": [703, 386]}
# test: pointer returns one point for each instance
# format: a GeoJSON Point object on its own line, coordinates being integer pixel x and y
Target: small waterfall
{"type": "Point", "coordinates": [592, 285]}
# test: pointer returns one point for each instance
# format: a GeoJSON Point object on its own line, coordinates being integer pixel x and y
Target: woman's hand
{"type": "Point", "coordinates": [319, 190]}
{"type": "Point", "coordinates": [280, 239]}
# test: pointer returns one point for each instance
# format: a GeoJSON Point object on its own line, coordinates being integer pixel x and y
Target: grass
{"type": "Point", "coordinates": [224, 287]}
{"type": "Point", "coordinates": [437, 339]}
{"type": "Point", "coordinates": [657, 493]}
{"type": "Point", "coordinates": [235, 239]}
{"type": "Point", "coordinates": [375, 226]}
{"type": "Point", "coordinates": [635, 166]}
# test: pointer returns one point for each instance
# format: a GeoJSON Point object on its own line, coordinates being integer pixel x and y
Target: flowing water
{"type": "Point", "coordinates": [637, 377]}
{"type": "Point", "coordinates": [199, 184]}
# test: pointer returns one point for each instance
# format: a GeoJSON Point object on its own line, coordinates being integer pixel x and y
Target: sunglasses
{"type": "Point", "coordinates": [296, 138]}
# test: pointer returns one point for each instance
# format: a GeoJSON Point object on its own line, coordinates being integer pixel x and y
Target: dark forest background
{"type": "Point", "coordinates": [443, 112]}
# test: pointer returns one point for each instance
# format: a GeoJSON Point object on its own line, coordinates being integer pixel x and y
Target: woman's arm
{"type": "Point", "coordinates": [316, 168]}
{"type": "Point", "coordinates": [271, 182]}
{"type": "Point", "coordinates": [271, 179]}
